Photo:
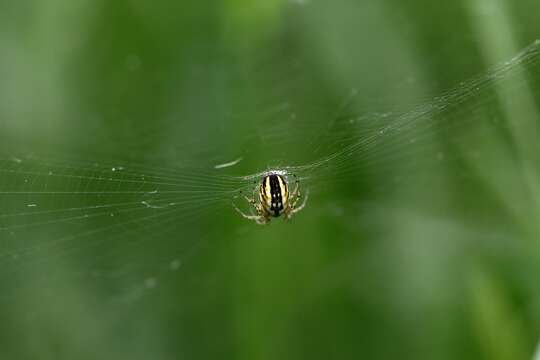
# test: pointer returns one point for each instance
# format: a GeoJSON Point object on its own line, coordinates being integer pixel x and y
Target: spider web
{"type": "Point", "coordinates": [151, 207]}
{"type": "Point", "coordinates": [54, 207]}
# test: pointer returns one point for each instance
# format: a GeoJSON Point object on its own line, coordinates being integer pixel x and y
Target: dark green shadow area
{"type": "Point", "coordinates": [129, 128]}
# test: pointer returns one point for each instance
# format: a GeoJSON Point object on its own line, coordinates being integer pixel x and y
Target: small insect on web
{"type": "Point", "coordinates": [274, 198]}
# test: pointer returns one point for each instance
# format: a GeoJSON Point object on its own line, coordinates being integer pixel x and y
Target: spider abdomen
{"type": "Point", "coordinates": [274, 199]}
{"type": "Point", "coordinates": [274, 194]}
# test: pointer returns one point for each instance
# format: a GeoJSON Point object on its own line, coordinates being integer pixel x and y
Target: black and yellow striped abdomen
{"type": "Point", "coordinates": [274, 194]}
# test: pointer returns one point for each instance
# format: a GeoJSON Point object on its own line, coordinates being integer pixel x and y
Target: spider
{"type": "Point", "coordinates": [274, 199]}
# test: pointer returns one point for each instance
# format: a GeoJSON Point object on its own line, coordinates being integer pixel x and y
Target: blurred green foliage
{"type": "Point", "coordinates": [419, 240]}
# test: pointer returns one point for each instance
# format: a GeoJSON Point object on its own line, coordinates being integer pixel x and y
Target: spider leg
{"type": "Point", "coordinates": [297, 209]}
{"type": "Point", "coordinates": [260, 219]}
{"type": "Point", "coordinates": [295, 197]}
{"type": "Point", "coordinates": [250, 200]}
{"type": "Point", "coordinates": [295, 193]}
{"type": "Point", "coordinates": [250, 217]}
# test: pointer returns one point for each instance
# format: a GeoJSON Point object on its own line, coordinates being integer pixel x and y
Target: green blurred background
{"type": "Point", "coordinates": [414, 125]}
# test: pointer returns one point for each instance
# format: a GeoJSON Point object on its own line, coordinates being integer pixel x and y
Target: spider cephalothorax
{"type": "Point", "coordinates": [274, 199]}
